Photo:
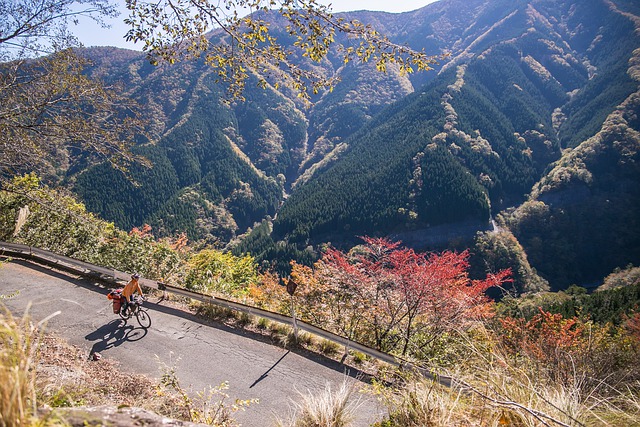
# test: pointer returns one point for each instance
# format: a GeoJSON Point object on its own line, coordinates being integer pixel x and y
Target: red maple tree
{"type": "Point", "coordinates": [395, 298]}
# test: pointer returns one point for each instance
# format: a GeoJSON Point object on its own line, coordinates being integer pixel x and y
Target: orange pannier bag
{"type": "Point", "coordinates": [116, 296]}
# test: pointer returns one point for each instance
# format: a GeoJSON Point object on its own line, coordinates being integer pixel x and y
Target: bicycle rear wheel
{"type": "Point", "coordinates": [143, 318]}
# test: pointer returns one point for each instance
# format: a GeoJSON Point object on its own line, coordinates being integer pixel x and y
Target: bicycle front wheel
{"type": "Point", "coordinates": [143, 318]}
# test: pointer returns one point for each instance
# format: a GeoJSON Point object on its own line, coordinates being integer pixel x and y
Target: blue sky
{"type": "Point", "coordinates": [91, 34]}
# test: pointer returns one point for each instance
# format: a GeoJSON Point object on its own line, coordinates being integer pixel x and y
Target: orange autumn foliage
{"type": "Point", "coordinates": [563, 349]}
{"type": "Point", "coordinates": [544, 335]}
{"type": "Point", "coordinates": [145, 231]}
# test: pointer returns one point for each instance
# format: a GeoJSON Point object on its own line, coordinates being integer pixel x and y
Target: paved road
{"type": "Point", "coordinates": [204, 354]}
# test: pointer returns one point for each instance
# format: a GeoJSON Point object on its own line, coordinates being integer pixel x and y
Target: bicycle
{"type": "Point", "coordinates": [134, 308]}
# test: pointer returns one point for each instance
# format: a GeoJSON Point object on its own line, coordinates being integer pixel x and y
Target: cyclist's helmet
{"type": "Point", "coordinates": [135, 276]}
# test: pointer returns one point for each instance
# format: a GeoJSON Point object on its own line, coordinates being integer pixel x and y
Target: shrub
{"type": "Point", "coordinates": [567, 348]}
{"type": "Point", "coordinates": [215, 271]}
{"type": "Point", "coordinates": [59, 223]}
{"type": "Point", "coordinates": [263, 324]}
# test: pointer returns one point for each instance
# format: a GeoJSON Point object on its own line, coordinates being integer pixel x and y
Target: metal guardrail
{"type": "Point", "coordinates": [66, 263]}
{"type": "Point", "coordinates": [70, 264]}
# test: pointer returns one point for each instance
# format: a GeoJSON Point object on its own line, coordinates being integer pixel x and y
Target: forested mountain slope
{"type": "Point", "coordinates": [526, 84]}
{"type": "Point", "coordinates": [582, 218]}
{"type": "Point", "coordinates": [497, 114]}
{"type": "Point", "coordinates": [214, 167]}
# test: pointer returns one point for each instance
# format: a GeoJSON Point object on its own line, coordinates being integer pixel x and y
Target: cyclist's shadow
{"type": "Point", "coordinates": [114, 334]}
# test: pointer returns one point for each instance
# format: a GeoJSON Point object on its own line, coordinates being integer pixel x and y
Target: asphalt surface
{"type": "Point", "coordinates": [204, 354]}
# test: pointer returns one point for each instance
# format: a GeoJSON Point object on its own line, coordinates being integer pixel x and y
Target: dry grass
{"type": "Point", "coordinates": [328, 408]}
{"type": "Point", "coordinates": [492, 387]}
{"type": "Point", "coordinates": [210, 406]}
{"type": "Point", "coordinates": [422, 402]}
{"type": "Point", "coordinates": [66, 377]}
{"type": "Point", "coordinates": [539, 397]}
{"type": "Point", "coordinates": [42, 371]}
{"type": "Point", "coordinates": [18, 345]}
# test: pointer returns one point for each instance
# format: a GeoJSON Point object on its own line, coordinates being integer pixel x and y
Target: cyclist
{"type": "Point", "coordinates": [128, 291]}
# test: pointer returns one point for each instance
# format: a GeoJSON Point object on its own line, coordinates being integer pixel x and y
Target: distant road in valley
{"type": "Point", "coordinates": [204, 354]}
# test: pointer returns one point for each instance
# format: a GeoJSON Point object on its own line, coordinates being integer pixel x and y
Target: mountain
{"type": "Point", "coordinates": [533, 116]}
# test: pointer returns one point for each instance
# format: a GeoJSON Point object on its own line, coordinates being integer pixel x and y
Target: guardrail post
{"type": "Point", "coordinates": [162, 287]}
{"type": "Point", "coordinates": [293, 316]}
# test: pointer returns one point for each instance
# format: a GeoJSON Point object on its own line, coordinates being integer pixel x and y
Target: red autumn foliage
{"type": "Point", "coordinates": [632, 325]}
{"type": "Point", "coordinates": [387, 295]}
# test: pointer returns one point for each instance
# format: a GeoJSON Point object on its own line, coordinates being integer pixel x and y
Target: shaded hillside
{"type": "Point", "coordinates": [475, 139]}
{"type": "Point", "coordinates": [583, 219]}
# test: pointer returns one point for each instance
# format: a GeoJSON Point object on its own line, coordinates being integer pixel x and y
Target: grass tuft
{"type": "Point", "coordinates": [215, 312]}
{"type": "Point", "coordinates": [326, 408]}
{"type": "Point", "coordinates": [245, 320]}
{"type": "Point", "coordinates": [18, 351]}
